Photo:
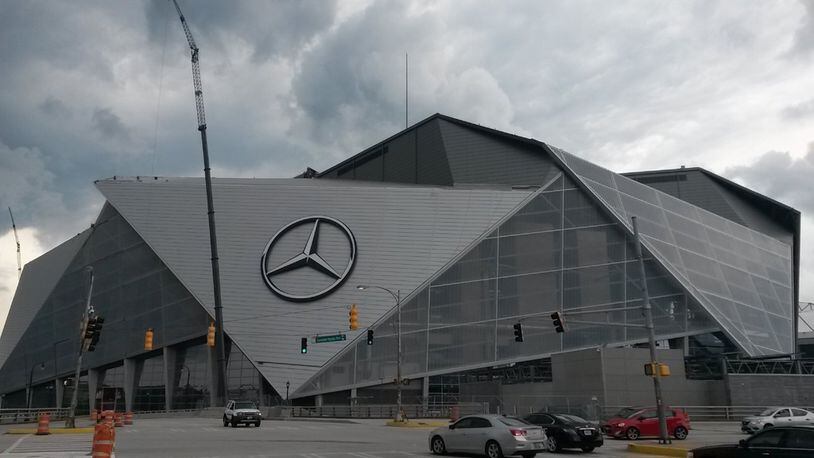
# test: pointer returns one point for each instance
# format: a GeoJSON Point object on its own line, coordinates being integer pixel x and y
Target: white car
{"type": "Point", "coordinates": [490, 435]}
{"type": "Point", "coordinates": [777, 416]}
{"type": "Point", "coordinates": [238, 412]}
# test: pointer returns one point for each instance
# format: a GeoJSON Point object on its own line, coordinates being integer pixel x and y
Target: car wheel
{"type": "Point", "coordinates": [680, 433]}
{"type": "Point", "coordinates": [493, 450]}
{"type": "Point", "coordinates": [529, 455]}
{"type": "Point", "coordinates": [767, 426]}
{"type": "Point", "coordinates": [234, 424]}
{"type": "Point", "coordinates": [225, 421]}
{"type": "Point", "coordinates": [257, 424]}
{"type": "Point", "coordinates": [587, 449]}
{"type": "Point", "coordinates": [552, 444]}
{"type": "Point", "coordinates": [632, 434]}
{"type": "Point", "coordinates": [438, 446]}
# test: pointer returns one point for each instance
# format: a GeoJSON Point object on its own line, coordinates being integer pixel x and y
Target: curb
{"type": "Point", "coordinates": [53, 431]}
{"type": "Point", "coordinates": [416, 424]}
{"type": "Point", "coordinates": [659, 450]}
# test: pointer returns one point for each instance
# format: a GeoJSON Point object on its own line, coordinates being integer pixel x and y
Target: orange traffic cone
{"type": "Point", "coordinates": [94, 414]}
{"type": "Point", "coordinates": [43, 424]}
{"type": "Point", "coordinates": [104, 437]}
{"type": "Point", "coordinates": [108, 417]}
{"type": "Point", "coordinates": [128, 418]}
{"type": "Point", "coordinates": [117, 420]}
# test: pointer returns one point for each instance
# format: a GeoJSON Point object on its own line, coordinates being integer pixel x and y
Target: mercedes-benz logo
{"type": "Point", "coordinates": [309, 258]}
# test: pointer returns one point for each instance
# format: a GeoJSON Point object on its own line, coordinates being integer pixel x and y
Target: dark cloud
{"type": "Point", "coordinates": [271, 29]}
{"type": "Point", "coordinates": [782, 177]}
{"type": "Point", "coordinates": [802, 110]}
{"type": "Point", "coordinates": [109, 125]}
{"type": "Point", "coordinates": [55, 107]}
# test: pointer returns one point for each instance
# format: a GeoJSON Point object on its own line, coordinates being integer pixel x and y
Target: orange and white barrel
{"type": "Point", "coordinates": [104, 437]}
{"type": "Point", "coordinates": [43, 424]}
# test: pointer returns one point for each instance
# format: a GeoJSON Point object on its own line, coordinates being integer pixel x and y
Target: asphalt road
{"type": "Point", "coordinates": [207, 438]}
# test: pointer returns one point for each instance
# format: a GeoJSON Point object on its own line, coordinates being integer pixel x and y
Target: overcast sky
{"type": "Point", "coordinates": [92, 89]}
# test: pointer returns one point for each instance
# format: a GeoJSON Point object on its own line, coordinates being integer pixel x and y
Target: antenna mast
{"type": "Point", "coordinates": [213, 241]}
{"type": "Point", "coordinates": [16, 240]}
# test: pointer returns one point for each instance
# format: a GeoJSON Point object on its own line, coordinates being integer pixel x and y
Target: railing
{"type": "Point", "coordinates": [708, 413]}
{"type": "Point", "coordinates": [30, 415]}
{"type": "Point", "coordinates": [387, 411]}
{"type": "Point", "coordinates": [797, 366]}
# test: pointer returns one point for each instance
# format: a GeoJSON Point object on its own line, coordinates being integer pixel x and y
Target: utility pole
{"type": "Point", "coordinates": [651, 337]}
{"type": "Point", "coordinates": [213, 241]}
{"type": "Point", "coordinates": [70, 422]}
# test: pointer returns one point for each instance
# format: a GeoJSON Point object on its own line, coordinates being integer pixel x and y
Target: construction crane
{"type": "Point", "coordinates": [213, 241]}
{"type": "Point", "coordinates": [16, 240]}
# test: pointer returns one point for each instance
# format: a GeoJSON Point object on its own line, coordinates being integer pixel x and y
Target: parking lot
{"type": "Point", "coordinates": [206, 437]}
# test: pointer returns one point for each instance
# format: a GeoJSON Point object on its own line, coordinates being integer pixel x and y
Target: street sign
{"type": "Point", "coordinates": [330, 338]}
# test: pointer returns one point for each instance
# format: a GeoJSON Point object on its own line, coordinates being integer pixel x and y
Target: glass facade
{"type": "Point", "coordinates": [559, 252]}
{"type": "Point", "coordinates": [149, 385]}
{"type": "Point", "coordinates": [133, 290]}
{"type": "Point", "coordinates": [742, 277]}
{"type": "Point", "coordinates": [191, 377]}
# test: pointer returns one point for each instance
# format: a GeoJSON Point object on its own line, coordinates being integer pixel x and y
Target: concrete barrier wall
{"type": "Point", "coordinates": [771, 389]}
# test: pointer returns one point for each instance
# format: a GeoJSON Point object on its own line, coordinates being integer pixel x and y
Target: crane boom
{"type": "Point", "coordinates": [17, 241]}
{"type": "Point", "coordinates": [196, 69]}
{"type": "Point", "coordinates": [210, 206]}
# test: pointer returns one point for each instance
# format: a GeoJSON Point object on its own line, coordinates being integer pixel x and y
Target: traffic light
{"type": "Point", "coordinates": [651, 368]}
{"type": "Point", "coordinates": [559, 322]}
{"type": "Point", "coordinates": [518, 332]}
{"type": "Point", "coordinates": [210, 335]}
{"type": "Point", "coordinates": [353, 318]}
{"type": "Point", "coordinates": [148, 339]}
{"type": "Point", "coordinates": [95, 324]}
{"type": "Point", "coordinates": [89, 328]}
{"type": "Point", "coordinates": [304, 345]}
{"type": "Point", "coordinates": [370, 337]}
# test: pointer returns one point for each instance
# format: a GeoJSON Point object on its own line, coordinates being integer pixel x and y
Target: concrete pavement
{"type": "Point", "coordinates": [207, 438]}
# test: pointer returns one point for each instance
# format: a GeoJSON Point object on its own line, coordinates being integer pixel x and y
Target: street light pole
{"type": "Point", "coordinates": [70, 422]}
{"type": "Point", "coordinates": [651, 337]}
{"type": "Point", "coordinates": [397, 297]}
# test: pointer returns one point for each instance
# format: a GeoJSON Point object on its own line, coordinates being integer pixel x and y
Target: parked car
{"type": "Point", "coordinates": [567, 431]}
{"type": "Point", "coordinates": [238, 412]}
{"type": "Point", "coordinates": [635, 422]}
{"type": "Point", "coordinates": [490, 435]}
{"type": "Point", "coordinates": [780, 441]}
{"type": "Point", "coordinates": [777, 416]}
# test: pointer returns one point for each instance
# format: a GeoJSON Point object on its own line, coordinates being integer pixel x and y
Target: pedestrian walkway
{"type": "Point", "coordinates": [61, 446]}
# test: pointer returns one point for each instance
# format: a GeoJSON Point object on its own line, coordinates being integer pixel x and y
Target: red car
{"type": "Point", "coordinates": [635, 422]}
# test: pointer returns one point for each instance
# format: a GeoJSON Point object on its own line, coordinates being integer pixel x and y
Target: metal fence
{"type": "Point", "coordinates": [796, 366]}
{"type": "Point", "coordinates": [30, 415]}
{"type": "Point", "coordinates": [386, 411]}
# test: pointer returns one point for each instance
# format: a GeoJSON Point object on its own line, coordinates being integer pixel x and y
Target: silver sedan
{"type": "Point", "coordinates": [491, 435]}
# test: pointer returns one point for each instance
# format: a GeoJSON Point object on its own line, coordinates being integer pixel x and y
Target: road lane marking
{"type": "Point", "coordinates": [16, 443]}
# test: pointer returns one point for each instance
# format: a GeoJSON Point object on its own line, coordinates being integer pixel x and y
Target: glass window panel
{"type": "Point", "coordinates": [191, 378]}
{"type": "Point", "coordinates": [461, 345]}
{"type": "Point", "coordinates": [659, 283]}
{"type": "Point", "coordinates": [643, 210]}
{"type": "Point", "coordinates": [543, 213]}
{"type": "Point", "coordinates": [593, 285]}
{"type": "Point", "coordinates": [377, 361]}
{"type": "Point", "coordinates": [414, 352]}
{"type": "Point", "coordinates": [414, 312]}
{"type": "Point", "coordinates": [339, 372]}
{"type": "Point", "coordinates": [463, 302]}
{"type": "Point", "coordinates": [530, 253]}
{"type": "Point", "coordinates": [586, 335]}
{"type": "Point", "coordinates": [480, 262]}
{"type": "Point", "coordinates": [589, 170]}
{"type": "Point", "coordinates": [592, 246]}
{"type": "Point", "coordinates": [610, 196]}
{"type": "Point", "coordinates": [634, 188]}
{"type": "Point", "coordinates": [149, 392]}
{"type": "Point", "coordinates": [697, 317]}
{"type": "Point", "coordinates": [678, 206]}
{"type": "Point", "coordinates": [581, 210]}
{"type": "Point", "coordinates": [527, 294]}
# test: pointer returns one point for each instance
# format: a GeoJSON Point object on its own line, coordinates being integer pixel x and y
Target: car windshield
{"type": "Point", "coordinates": [245, 405]}
{"type": "Point", "coordinates": [627, 412]}
{"type": "Point", "coordinates": [513, 421]}
{"type": "Point", "coordinates": [766, 412]}
{"type": "Point", "coordinates": [570, 418]}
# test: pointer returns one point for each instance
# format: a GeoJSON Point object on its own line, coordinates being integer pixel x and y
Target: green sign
{"type": "Point", "coordinates": [330, 338]}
